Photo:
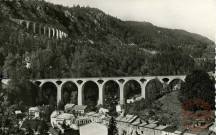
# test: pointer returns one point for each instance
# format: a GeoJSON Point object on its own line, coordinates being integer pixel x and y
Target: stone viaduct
{"type": "Point", "coordinates": [101, 82]}
{"type": "Point", "coordinates": [42, 29]}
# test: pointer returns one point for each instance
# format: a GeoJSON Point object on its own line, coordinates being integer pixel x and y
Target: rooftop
{"type": "Point", "coordinates": [151, 126]}
{"type": "Point", "coordinates": [128, 118]}
{"type": "Point", "coordinates": [56, 113]}
{"type": "Point", "coordinates": [33, 109]}
{"type": "Point", "coordinates": [90, 113]}
{"type": "Point", "coordinates": [65, 116]}
{"type": "Point", "coordinates": [79, 107]}
{"type": "Point", "coordinates": [69, 105]}
{"type": "Point", "coordinates": [160, 127]}
{"type": "Point", "coordinates": [142, 124]}
{"type": "Point", "coordinates": [170, 129]}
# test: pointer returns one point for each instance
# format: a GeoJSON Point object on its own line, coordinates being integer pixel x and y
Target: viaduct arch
{"type": "Point", "coordinates": [101, 81]}
{"type": "Point", "coordinates": [42, 29]}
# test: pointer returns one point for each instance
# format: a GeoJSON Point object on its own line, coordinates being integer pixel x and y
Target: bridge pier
{"type": "Point", "coordinates": [44, 30]}
{"type": "Point", "coordinates": [101, 94]}
{"type": "Point", "coordinates": [57, 33]}
{"type": "Point", "coordinates": [49, 32]}
{"type": "Point", "coordinates": [53, 32]}
{"type": "Point", "coordinates": [34, 27]}
{"type": "Point", "coordinates": [80, 94]}
{"type": "Point", "coordinates": [27, 25]}
{"type": "Point", "coordinates": [122, 94]}
{"type": "Point", "coordinates": [59, 93]}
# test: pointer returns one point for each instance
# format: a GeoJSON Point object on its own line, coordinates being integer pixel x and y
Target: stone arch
{"type": "Point", "coordinates": [175, 84]}
{"type": "Point", "coordinates": [37, 28]}
{"type": "Point", "coordinates": [41, 31]}
{"type": "Point", "coordinates": [72, 89]}
{"type": "Point", "coordinates": [49, 89]}
{"type": "Point", "coordinates": [31, 27]}
{"type": "Point", "coordinates": [24, 24]}
{"type": "Point", "coordinates": [90, 93]}
{"type": "Point", "coordinates": [111, 92]}
{"type": "Point", "coordinates": [132, 90]}
{"type": "Point", "coordinates": [153, 89]}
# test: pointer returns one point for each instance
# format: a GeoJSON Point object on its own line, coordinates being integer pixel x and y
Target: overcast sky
{"type": "Point", "coordinates": [196, 16]}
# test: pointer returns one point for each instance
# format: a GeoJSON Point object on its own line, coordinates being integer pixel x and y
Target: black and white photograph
{"type": "Point", "coordinates": [107, 67]}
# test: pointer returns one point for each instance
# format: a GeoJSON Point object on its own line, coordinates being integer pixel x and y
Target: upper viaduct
{"type": "Point", "coordinates": [41, 29]}
{"type": "Point", "coordinates": [101, 82]}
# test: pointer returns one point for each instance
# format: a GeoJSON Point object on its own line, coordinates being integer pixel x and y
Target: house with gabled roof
{"type": "Point", "coordinates": [80, 108]}
{"type": "Point", "coordinates": [68, 107]}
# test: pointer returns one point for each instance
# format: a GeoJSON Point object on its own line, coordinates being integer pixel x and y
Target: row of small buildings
{"type": "Point", "coordinates": [134, 125]}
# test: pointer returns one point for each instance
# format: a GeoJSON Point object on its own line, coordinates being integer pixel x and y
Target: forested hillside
{"type": "Point", "coordinates": [98, 44]}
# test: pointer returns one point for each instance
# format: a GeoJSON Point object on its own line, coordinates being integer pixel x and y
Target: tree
{"type": "Point", "coordinates": [29, 131]}
{"type": "Point", "coordinates": [112, 130]}
{"type": "Point", "coordinates": [61, 105]}
{"type": "Point", "coordinates": [198, 85]}
{"type": "Point", "coordinates": [73, 97]}
{"type": "Point", "coordinates": [43, 127]}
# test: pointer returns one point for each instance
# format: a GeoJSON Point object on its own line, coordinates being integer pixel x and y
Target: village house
{"type": "Point", "coordinates": [158, 129]}
{"type": "Point", "coordinates": [80, 109]}
{"type": "Point", "coordinates": [18, 112]}
{"type": "Point", "coordinates": [103, 110]}
{"type": "Point", "coordinates": [118, 109]}
{"type": "Point", "coordinates": [68, 107]}
{"type": "Point", "coordinates": [169, 130]}
{"type": "Point", "coordinates": [53, 117]}
{"type": "Point", "coordinates": [82, 120]}
{"type": "Point", "coordinates": [212, 128]}
{"type": "Point", "coordinates": [34, 112]}
{"type": "Point", "coordinates": [65, 118]}
{"type": "Point", "coordinates": [180, 131]}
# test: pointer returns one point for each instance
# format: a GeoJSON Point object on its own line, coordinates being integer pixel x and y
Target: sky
{"type": "Point", "coordinates": [196, 16]}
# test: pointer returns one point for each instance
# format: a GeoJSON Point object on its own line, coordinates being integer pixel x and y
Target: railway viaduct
{"type": "Point", "coordinates": [101, 82]}
{"type": "Point", "coordinates": [41, 29]}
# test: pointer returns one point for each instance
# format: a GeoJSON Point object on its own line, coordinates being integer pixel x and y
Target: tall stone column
{"type": "Point", "coordinates": [34, 27]}
{"type": "Point", "coordinates": [49, 32]}
{"type": "Point", "coordinates": [57, 33]}
{"type": "Point", "coordinates": [122, 98]}
{"type": "Point", "coordinates": [60, 34]}
{"type": "Point", "coordinates": [59, 93]}
{"type": "Point", "coordinates": [80, 94]}
{"type": "Point", "coordinates": [44, 30]}
{"type": "Point", "coordinates": [53, 32]}
{"type": "Point", "coordinates": [101, 94]}
{"type": "Point", "coordinates": [143, 89]}
{"type": "Point", "coordinates": [27, 25]}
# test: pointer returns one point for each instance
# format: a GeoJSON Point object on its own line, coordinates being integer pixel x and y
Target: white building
{"type": "Point", "coordinates": [80, 108]}
{"type": "Point", "coordinates": [18, 112]}
{"type": "Point", "coordinates": [66, 118]}
{"type": "Point", "coordinates": [68, 107]}
{"type": "Point", "coordinates": [53, 117]}
{"type": "Point", "coordinates": [118, 109]}
{"type": "Point", "coordinates": [103, 110]}
{"type": "Point", "coordinates": [94, 129]}
{"type": "Point", "coordinates": [34, 112]}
